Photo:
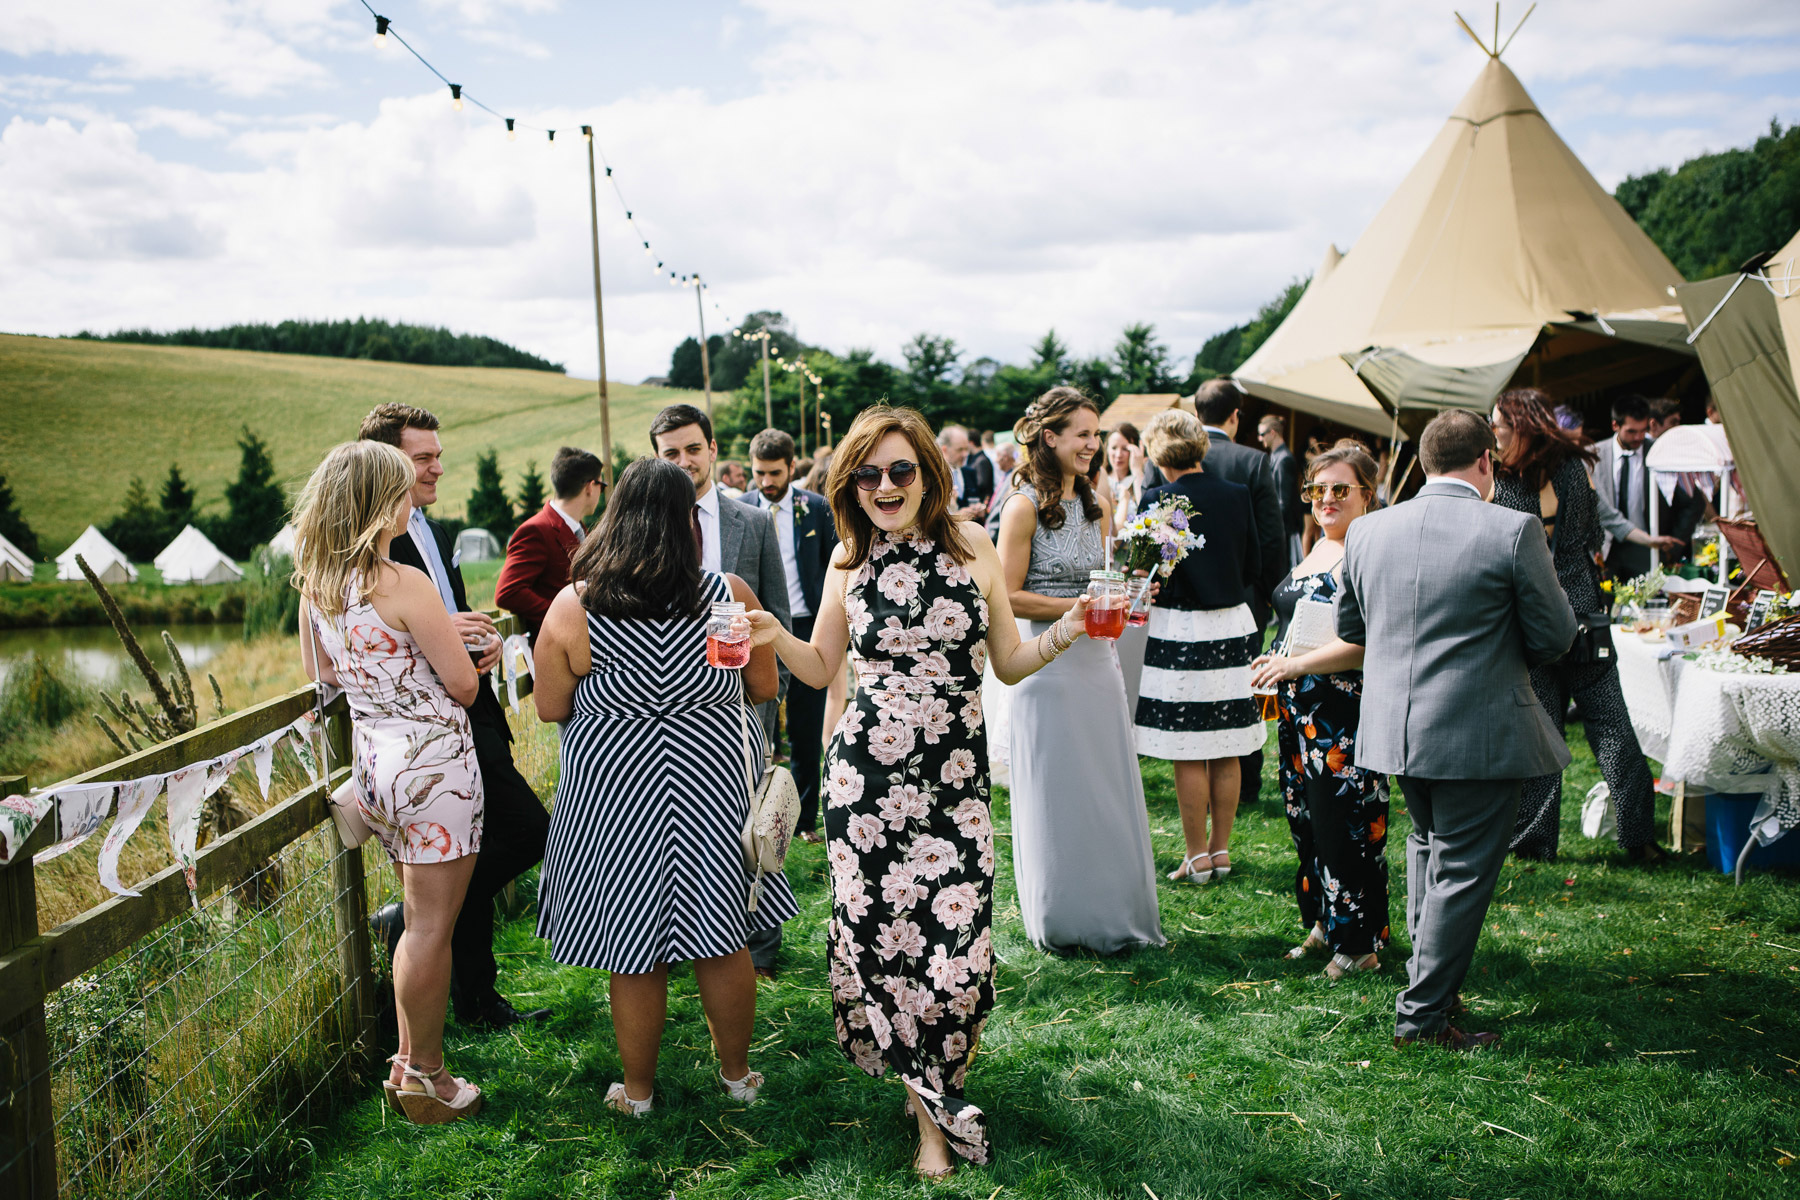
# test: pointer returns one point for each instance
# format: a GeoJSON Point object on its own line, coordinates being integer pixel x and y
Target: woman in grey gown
{"type": "Point", "coordinates": [1081, 838]}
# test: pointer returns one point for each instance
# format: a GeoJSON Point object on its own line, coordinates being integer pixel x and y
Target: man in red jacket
{"type": "Point", "coordinates": [537, 557]}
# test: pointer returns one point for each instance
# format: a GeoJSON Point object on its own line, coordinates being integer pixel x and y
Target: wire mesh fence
{"type": "Point", "coordinates": [194, 1063]}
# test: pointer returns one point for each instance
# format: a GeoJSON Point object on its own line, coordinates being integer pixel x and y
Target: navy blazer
{"type": "Point", "coordinates": [815, 537]}
{"type": "Point", "coordinates": [486, 709]}
{"type": "Point", "coordinates": [1214, 576]}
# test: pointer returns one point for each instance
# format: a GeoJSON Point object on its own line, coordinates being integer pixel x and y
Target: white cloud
{"type": "Point", "coordinates": [981, 169]}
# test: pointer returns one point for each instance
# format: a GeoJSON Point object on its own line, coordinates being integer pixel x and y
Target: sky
{"type": "Point", "coordinates": [982, 169]}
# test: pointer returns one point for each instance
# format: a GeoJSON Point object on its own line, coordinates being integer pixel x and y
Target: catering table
{"type": "Point", "coordinates": [1716, 731]}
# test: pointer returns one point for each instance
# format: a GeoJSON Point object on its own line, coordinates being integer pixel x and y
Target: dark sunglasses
{"type": "Point", "coordinates": [900, 474]}
{"type": "Point", "coordinates": [1332, 491]}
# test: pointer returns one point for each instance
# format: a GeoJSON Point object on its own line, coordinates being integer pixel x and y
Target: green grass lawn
{"type": "Point", "coordinates": [80, 418]}
{"type": "Point", "coordinates": [1651, 1043]}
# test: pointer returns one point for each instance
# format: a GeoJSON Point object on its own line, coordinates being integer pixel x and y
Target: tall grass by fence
{"type": "Point", "coordinates": [168, 1045]}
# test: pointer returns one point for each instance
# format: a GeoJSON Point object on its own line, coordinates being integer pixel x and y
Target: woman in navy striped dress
{"type": "Point", "coordinates": [644, 866]}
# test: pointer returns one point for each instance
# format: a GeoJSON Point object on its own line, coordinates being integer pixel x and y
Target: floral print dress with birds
{"type": "Point", "coordinates": [910, 840]}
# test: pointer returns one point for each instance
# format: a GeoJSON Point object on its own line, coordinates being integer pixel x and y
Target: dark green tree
{"type": "Point", "coordinates": [1097, 378]}
{"type": "Point", "coordinates": [1049, 354]}
{"type": "Point", "coordinates": [254, 504]}
{"type": "Point", "coordinates": [140, 530]}
{"type": "Point", "coordinates": [1140, 361]}
{"type": "Point", "coordinates": [1226, 351]}
{"type": "Point", "coordinates": [361, 338]}
{"type": "Point", "coordinates": [531, 490]}
{"type": "Point", "coordinates": [177, 500]}
{"type": "Point", "coordinates": [685, 368]}
{"type": "Point", "coordinates": [13, 526]}
{"type": "Point", "coordinates": [489, 508]}
{"type": "Point", "coordinates": [1715, 211]}
{"type": "Point", "coordinates": [738, 360]}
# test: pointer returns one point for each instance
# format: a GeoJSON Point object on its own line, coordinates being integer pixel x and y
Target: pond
{"type": "Point", "coordinates": [92, 653]}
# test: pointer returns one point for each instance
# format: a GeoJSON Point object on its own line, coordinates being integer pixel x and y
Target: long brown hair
{"type": "Point", "coordinates": [854, 528]}
{"type": "Point", "coordinates": [1051, 413]}
{"type": "Point", "coordinates": [1539, 445]}
{"type": "Point", "coordinates": [1354, 455]}
{"type": "Point", "coordinates": [351, 499]}
{"type": "Point", "coordinates": [641, 561]}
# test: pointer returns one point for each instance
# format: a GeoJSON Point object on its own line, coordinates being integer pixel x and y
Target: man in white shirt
{"type": "Point", "coordinates": [1622, 478]}
{"type": "Point", "coordinates": [953, 440]}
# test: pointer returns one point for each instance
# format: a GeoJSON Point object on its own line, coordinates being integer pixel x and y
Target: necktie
{"type": "Point", "coordinates": [1625, 488]}
{"type": "Point", "coordinates": [699, 537]}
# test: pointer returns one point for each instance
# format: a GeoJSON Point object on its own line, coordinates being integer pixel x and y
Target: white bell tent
{"type": "Point", "coordinates": [103, 558]}
{"type": "Point", "coordinates": [15, 564]}
{"type": "Point", "coordinates": [192, 558]}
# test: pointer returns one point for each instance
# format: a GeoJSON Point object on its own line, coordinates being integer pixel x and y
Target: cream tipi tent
{"type": "Point", "coordinates": [1497, 246]}
{"type": "Point", "coordinates": [1747, 329]}
{"type": "Point", "coordinates": [192, 558]}
{"type": "Point", "coordinates": [103, 558]}
{"type": "Point", "coordinates": [15, 564]}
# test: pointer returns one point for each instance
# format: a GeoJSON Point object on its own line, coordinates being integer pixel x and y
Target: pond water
{"type": "Point", "coordinates": [92, 653]}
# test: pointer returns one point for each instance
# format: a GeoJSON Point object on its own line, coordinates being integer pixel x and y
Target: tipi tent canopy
{"type": "Point", "coordinates": [1746, 327]}
{"type": "Point", "coordinates": [15, 564]}
{"type": "Point", "coordinates": [192, 558]}
{"type": "Point", "coordinates": [103, 559]}
{"type": "Point", "coordinates": [1498, 258]}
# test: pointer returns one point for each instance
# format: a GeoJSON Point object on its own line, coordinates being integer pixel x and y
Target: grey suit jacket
{"type": "Point", "coordinates": [748, 549]}
{"type": "Point", "coordinates": [1454, 600]}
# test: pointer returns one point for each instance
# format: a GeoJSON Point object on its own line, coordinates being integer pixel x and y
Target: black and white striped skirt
{"type": "Point", "coordinates": [1194, 698]}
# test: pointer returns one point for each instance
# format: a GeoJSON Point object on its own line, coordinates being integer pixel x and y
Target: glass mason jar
{"type": "Point", "coordinates": [1108, 605]}
{"type": "Point", "coordinates": [726, 648]}
{"type": "Point", "coordinates": [1137, 595]}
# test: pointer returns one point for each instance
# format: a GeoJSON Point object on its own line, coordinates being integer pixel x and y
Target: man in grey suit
{"type": "Point", "coordinates": [1216, 404]}
{"type": "Point", "coordinates": [1453, 600]}
{"type": "Point", "coordinates": [1626, 491]}
{"type": "Point", "coordinates": [736, 539]}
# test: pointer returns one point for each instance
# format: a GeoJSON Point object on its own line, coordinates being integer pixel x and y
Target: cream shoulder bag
{"type": "Point", "coordinates": [774, 806]}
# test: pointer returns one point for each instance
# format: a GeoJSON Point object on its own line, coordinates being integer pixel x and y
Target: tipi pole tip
{"type": "Point", "coordinates": [1516, 28]}
{"type": "Point", "coordinates": [1473, 36]}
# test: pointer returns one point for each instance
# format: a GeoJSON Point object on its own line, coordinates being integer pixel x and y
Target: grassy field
{"type": "Point", "coordinates": [1651, 1043]}
{"type": "Point", "coordinates": [81, 418]}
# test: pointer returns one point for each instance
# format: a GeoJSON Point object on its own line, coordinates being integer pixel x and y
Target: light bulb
{"type": "Point", "coordinates": [512, 135]}
{"type": "Point", "coordinates": [456, 96]}
{"type": "Point", "coordinates": [381, 28]}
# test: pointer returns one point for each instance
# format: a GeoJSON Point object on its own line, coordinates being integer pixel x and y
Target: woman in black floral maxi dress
{"type": "Point", "coordinates": [919, 603]}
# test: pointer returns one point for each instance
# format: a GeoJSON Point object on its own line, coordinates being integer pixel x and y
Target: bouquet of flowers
{"type": "Point", "coordinates": [1634, 593]}
{"type": "Point", "coordinates": [1159, 537]}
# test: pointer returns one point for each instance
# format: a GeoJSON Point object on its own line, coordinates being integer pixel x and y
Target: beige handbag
{"type": "Point", "coordinates": [774, 807]}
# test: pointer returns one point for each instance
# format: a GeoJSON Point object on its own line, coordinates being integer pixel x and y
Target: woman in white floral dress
{"type": "Point", "coordinates": [919, 602]}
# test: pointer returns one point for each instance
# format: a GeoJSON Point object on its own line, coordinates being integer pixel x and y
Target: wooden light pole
{"type": "Point", "coordinates": [606, 458]}
{"type": "Point", "coordinates": [768, 404]}
{"type": "Point", "coordinates": [705, 358]}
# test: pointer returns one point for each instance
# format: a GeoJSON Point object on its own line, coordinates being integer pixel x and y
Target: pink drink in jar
{"type": "Point", "coordinates": [725, 648]}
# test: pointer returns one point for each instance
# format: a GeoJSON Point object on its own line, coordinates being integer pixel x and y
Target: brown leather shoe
{"type": "Point", "coordinates": [1450, 1038]}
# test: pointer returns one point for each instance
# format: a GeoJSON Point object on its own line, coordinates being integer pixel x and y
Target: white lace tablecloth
{"type": "Point", "coordinates": [1718, 732]}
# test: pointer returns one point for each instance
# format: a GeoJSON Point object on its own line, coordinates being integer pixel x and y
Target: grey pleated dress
{"type": "Point", "coordinates": [1081, 837]}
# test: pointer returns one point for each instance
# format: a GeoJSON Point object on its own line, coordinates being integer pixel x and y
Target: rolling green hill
{"type": "Point", "coordinates": [79, 418]}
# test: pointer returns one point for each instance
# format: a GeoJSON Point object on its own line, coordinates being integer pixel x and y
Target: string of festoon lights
{"type": "Point", "coordinates": [459, 95]}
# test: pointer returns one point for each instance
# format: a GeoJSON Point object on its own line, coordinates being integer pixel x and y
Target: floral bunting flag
{"type": "Point", "coordinates": [79, 811]}
{"type": "Point", "coordinates": [304, 750]}
{"type": "Point", "coordinates": [263, 756]}
{"type": "Point", "coordinates": [19, 816]}
{"type": "Point", "coordinates": [187, 794]}
{"type": "Point", "coordinates": [513, 650]}
{"type": "Point", "coordinates": [135, 799]}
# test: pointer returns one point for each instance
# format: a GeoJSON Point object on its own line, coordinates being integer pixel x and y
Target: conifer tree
{"type": "Point", "coordinates": [489, 508]}
{"type": "Point", "coordinates": [13, 526]}
{"type": "Point", "coordinates": [531, 491]}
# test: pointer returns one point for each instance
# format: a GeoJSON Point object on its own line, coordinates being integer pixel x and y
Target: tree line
{"type": "Point", "coordinates": [1715, 211]}
{"type": "Point", "coordinates": [255, 509]}
{"type": "Point", "coordinates": [380, 341]}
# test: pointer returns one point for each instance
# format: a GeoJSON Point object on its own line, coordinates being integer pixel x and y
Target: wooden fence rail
{"type": "Point", "coordinates": [34, 965]}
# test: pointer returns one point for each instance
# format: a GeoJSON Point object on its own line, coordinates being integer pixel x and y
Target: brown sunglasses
{"type": "Point", "coordinates": [1329, 491]}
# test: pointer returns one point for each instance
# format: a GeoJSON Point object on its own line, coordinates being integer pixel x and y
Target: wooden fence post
{"type": "Point", "coordinates": [350, 906]}
{"type": "Point", "coordinates": [27, 1122]}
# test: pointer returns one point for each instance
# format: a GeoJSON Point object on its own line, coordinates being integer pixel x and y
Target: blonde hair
{"type": "Point", "coordinates": [350, 500]}
{"type": "Point", "coordinates": [1175, 439]}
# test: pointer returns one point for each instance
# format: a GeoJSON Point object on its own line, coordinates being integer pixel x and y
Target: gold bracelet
{"type": "Point", "coordinates": [1043, 647]}
{"type": "Point", "coordinates": [1060, 638]}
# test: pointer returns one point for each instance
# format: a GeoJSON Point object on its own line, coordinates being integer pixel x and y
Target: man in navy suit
{"type": "Point", "coordinates": [514, 823]}
{"type": "Point", "coordinates": [807, 535]}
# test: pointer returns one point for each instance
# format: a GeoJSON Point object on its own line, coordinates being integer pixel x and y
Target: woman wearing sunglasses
{"type": "Point", "coordinates": [1337, 812]}
{"type": "Point", "coordinates": [1081, 837]}
{"type": "Point", "coordinates": [919, 603]}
